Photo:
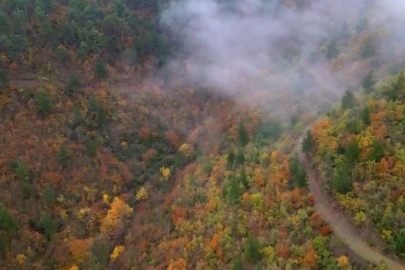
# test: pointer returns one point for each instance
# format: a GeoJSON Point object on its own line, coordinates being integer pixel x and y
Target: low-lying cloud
{"type": "Point", "coordinates": [251, 47]}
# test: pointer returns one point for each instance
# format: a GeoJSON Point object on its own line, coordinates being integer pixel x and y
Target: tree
{"type": "Point", "coordinates": [73, 84]}
{"type": "Point", "coordinates": [368, 82]}
{"type": "Point", "coordinates": [396, 87]}
{"type": "Point", "coordinates": [231, 159]}
{"type": "Point", "coordinates": [7, 228]}
{"type": "Point", "coordinates": [243, 135]}
{"type": "Point", "coordinates": [348, 100]}
{"type": "Point", "coordinates": [308, 144]}
{"type": "Point", "coordinates": [48, 226]}
{"type": "Point", "coordinates": [234, 191]}
{"type": "Point", "coordinates": [100, 70]}
{"type": "Point", "coordinates": [91, 147]}
{"type": "Point", "coordinates": [342, 182]}
{"type": "Point", "coordinates": [400, 242]}
{"type": "Point", "coordinates": [298, 174]}
{"type": "Point", "coordinates": [377, 152]}
{"type": "Point", "coordinates": [365, 116]}
{"type": "Point", "coordinates": [352, 152]}
{"type": "Point", "coordinates": [3, 78]}
{"type": "Point", "coordinates": [63, 155]}
{"type": "Point", "coordinates": [252, 249]}
{"type": "Point", "coordinates": [368, 48]}
{"type": "Point", "coordinates": [77, 117]}
{"type": "Point", "coordinates": [238, 265]}
{"type": "Point", "coordinates": [49, 195]}
{"type": "Point", "coordinates": [44, 102]}
{"type": "Point", "coordinates": [7, 223]}
{"type": "Point", "coordinates": [272, 129]}
{"type": "Point", "coordinates": [243, 177]}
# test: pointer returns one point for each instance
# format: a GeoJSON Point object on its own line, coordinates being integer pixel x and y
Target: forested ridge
{"type": "Point", "coordinates": [111, 158]}
{"type": "Point", "coordinates": [358, 149]}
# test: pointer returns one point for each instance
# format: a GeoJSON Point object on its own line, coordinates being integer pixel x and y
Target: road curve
{"type": "Point", "coordinates": [345, 231]}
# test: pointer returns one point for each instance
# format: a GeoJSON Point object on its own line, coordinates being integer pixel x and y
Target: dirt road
{"type": "Point", "coordinates": [347, 232]}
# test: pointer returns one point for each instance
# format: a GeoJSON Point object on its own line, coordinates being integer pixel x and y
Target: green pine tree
{"type": "Point", "coordinates": [352, 152]}
{"type": "Point", "coordinates": [73, 84]}
{"type": "Point", "coordinates": [48, 225]}
{"type": "Point", "coordinates": [100, 70]}
{"type": "Point", "coordinates": [252, 250]}
{"type": "Point", "coordinates": [49, 195]}
{"type": "Point", "coordinates": [243, 135]}
{"type": "Point", "coordinates": [377, 152]}
{"type": "Point", "coordinates": [233, 194]}
{"type": "Point", "coordinates": [298, 174]}
{"type": "Point", "coordinates": [63, 155]}
{"type": "Point", "coordinates": [7, 223]}
{"type": "Point", "coordinates": [365, 116]}
{"type": "Point", "coordinates": [238, 265]}
{"type": "Point", "coordinates": [342, 182]}
{"type": "Point", "coordinates": [308, 144]}
{"type": "Point", "coordinates": [368, 82]}
{"type": "Point", "coordinates": [44, 102]}
{"type": "Point", "coordinates": [231, 159]}
{"type": "Point", "coordinates": [348, 100]}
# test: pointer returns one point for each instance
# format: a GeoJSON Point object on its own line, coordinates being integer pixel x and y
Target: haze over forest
{"type": "Point", "coordinates": [202, 134]}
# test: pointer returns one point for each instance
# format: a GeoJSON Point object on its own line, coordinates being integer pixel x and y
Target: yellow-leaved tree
{"type": "Point", "coordinates": [118, 213]}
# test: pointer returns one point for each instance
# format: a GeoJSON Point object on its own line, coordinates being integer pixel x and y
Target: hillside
{"type": "Point", "coordinates": [131, 137]}
{"type": "Point", "coordinates": [358, 149]}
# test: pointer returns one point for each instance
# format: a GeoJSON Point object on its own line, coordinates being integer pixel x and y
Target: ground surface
{"type": "Point", "coordinates": [346, 231]}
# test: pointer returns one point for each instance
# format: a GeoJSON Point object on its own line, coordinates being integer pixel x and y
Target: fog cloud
{"type": "Point", "coordinates": [256, 47]}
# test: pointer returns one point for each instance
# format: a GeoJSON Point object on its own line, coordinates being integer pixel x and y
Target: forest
{"type": "Point", "coordinates": [166, 134]}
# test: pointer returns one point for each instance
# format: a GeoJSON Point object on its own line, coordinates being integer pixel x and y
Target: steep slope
{"type": "Point", "coordinates": [358, 151]}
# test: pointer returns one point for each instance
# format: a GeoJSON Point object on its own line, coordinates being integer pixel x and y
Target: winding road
{"type": "Point", "coordinates": [347, 232]}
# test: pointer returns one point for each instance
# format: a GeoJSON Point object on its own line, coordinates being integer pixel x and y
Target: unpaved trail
{"type": "Point", "coordinates": [347, 232]}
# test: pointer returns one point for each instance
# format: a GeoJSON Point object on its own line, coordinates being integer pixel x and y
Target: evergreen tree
{"type": "Point", "coordinates": [48, 226]}
{"type": "Point", "coordinates": [368, 82]}
{"type": "Point", "coordinates": [3, 78]}
{"type": "Point", "coordinates": [400, 242]}
{"type": "Point", "coordinates": [240, 158]}
{"type": "Point", "coordinates": [308, 144]}
{"type": "Point", "coordinates": [348, 100]}
{"type": "Point", "coordinates": [77, 117]}
{"type": "Point", "coordinates": [365, 116]}
{"type": "Point", "coordinates": [100, 70]}
{"type": "Point", "coordinates": [63, 155]}
{"type": "Point", "coordinates": [272, 129]}
{"type": "Point", "coordinates": [368, 49]}
{"type": "Point", "coordinates": [243, 135]}
{"type": "Point", "coordinates": [231, 159]}
{"type": "Point", "coordinates": [44, 102]}
{"type": "Point", "coordinates": [7, 223]}
{"type": "Point", "coordinates": [342, 182]}
{"type": "Point", "coordinates": [396, 87]}
{"type": "Point", "coordinates": [294, 118]}
{"type": "Point", "coordinates": [243, 177]}
{"type": "Point", "coordinates": [238, 265]}
{"type": "Point", "coordinates": [377, 152]}
{"type": "Point", "coordinates": [73, 84]}
{"type": "Point", "coordinates": [49, 195]}
{"type": "Point", "coordinates": [252, 250]}
{"type": "Point", "coordinates": [352, 152]}
{"type": "Point", "coordinates": [298, 174]}
{"type": "Point", "coordinates": [91, 147]}
{"type": "Point", "coordinates": [233, 194]}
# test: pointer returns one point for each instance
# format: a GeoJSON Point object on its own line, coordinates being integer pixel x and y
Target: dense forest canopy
{"type": "Point", "coordinates": [157, 134]}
